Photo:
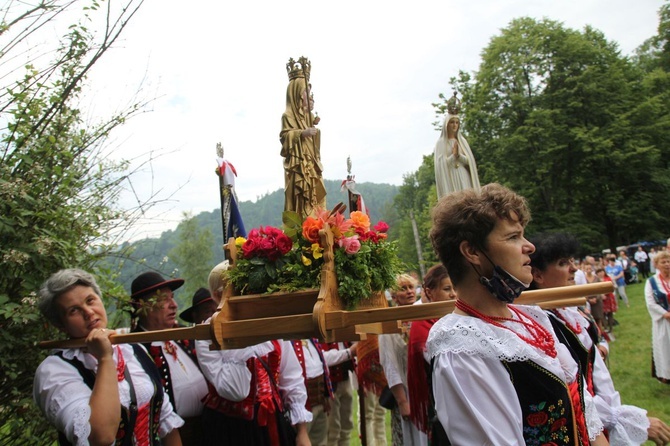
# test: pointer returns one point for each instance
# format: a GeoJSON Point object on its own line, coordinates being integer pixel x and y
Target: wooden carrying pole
{"type": "Point", "coordinates": [239, 333]}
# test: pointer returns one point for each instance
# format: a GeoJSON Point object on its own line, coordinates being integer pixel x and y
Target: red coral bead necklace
{"type": "Point", "coordinates": [540, 338]}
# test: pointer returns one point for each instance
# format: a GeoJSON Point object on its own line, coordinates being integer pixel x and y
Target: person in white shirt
{"type": "Point", "coordinates": [500, 375]}
{"type": "Point", "coordinates": [250, 388]}
{"type": "Point", "coordinates": [626, 425]}
{"type": "Point", "coordinates": [185, 386]}
{"type": "Point", "coordinates": [642, 259]}
{"type": "Point", "coordinates": [100, 393]}
{"type": "Point", "coordinates": [393, 358]}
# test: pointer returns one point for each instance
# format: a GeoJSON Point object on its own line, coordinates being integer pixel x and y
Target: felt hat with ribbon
{"type": "Point", "coordinates": [147, 283]}
{"type": "Point", "coordinates": [201, 296]}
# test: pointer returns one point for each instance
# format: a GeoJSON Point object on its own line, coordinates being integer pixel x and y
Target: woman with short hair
{"type": "Point", "coordinates": [500, 376]}
{"type": "Point", "coordinates": [98, 394]}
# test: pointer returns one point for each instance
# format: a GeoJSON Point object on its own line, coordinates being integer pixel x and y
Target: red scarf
{"type": "Point", "coordinates": [417, 381]}
{"type": "Point", "coordinates": [369, 372]}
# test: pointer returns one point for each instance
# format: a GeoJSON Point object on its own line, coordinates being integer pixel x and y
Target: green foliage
{"type": "Point", "coordinates": [416, 197]}
{"type": "Point", "coordinates": [193, 255]}
{"type": "Point", "coordinates": [271, 260]}
{"type": "Point", "coordinates": [630, 358]}
{"type": "Point", "coordinates": [654, 53]}
{"type": "Point", "coordinates": [58, 192]}
{"type": "Point", "coordinates": [551, 114]}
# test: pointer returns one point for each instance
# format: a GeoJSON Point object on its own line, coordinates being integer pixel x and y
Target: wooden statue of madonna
{"type": "Point", "coordinates": [455, 166]}
{"type": "Point", "coordinates": [304, 189]}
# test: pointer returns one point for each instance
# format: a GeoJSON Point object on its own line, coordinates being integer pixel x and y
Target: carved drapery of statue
{"type": "Point", "coordinates": [455, 166]}
{"type": "Point", "coordinates": [301, 146]}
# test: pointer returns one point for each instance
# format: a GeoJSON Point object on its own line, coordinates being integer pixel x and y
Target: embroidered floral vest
{"type": "Point", "coordinates": [546, 406]}
{"type": "Point", "coordinates": [156, 352]}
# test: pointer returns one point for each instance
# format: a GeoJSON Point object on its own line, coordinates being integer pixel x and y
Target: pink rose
{"type": "Point", "coordinates": [351, 245]}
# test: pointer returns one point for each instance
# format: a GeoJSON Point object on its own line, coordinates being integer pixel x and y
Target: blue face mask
{"type": "Point", "coordinates": [503, 285]}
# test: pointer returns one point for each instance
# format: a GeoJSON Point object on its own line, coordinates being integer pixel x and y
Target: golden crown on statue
{"type": "Point", "coordinates": [299, 68]}
{"type": "Point", "coordinates": [454, 105]}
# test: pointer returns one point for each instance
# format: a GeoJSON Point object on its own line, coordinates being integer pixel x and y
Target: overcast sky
{"type": "Point", "coordinates": [217, 70]}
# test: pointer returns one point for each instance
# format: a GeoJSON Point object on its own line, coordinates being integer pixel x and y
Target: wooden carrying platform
{"type": "Point", "coordinates": [247, 320]}
{"type": "Point", "coordinates": [317, 313]}
{"type": "Point", "coordinates": [242, 321]}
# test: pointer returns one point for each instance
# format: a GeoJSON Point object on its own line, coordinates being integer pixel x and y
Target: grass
{"type": "Point", "coordinates": [630, 358]}
{"type": "Point", "coordinates": [629, 363]}
{"type": "Point", "coordinates": [356, 441]}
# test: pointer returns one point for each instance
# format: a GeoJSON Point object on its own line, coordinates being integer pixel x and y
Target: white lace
{"type": "Point", "coordinates": [630, 425]}
{"type": "Point", "coordinates": [82, 427]}
{"type": "Point", "coordinates": [593, 424]}
{"type": "Point", "coordinates": [472, 336]}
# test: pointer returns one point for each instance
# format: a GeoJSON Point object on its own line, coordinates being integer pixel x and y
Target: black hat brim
{"type": "Point", "coordinates": [173, 284]}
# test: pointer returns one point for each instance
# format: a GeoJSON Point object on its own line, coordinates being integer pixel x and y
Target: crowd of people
{"type": "Point", "coordinates": [491, 372]}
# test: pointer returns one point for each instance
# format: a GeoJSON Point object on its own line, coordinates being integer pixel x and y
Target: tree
{"type": "Point", "coordinates": [193, 255]}
{"type": "Point", "coordinates": [655, 51]}
{"type": "Point", "coordinates": [416, 197]}
{"type": "Point", "coordinates": [548, 114]}
{"type": "Point", "coordinates": [58, 189]}
{"type": "Point", "coordinates": [650, 116]}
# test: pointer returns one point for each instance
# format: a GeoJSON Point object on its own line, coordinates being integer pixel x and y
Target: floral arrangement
{"type": "Point", "coordinates": [287, 260]}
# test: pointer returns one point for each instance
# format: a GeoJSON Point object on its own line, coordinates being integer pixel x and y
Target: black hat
{"type": "Point", "coordinates": [201, 296]}
{"type": "Point", "coordinates": [146, 283]}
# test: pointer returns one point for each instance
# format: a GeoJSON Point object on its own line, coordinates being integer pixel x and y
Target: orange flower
{"type": "Point", "coordinates": [360, 220]}
{"type": "Point", "coordinates": [310, 229]}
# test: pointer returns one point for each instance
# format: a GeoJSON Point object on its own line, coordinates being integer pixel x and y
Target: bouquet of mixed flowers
{"type": "Point", "coordinates": [287, 260]}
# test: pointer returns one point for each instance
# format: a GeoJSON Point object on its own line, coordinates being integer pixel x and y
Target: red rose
{"type": "Point", "coordinates": [537, 419]}
{"type": "Point", "coordinates": [558, 424]}
{"type": "Point", "coordinates": [362, 234]}
{"type": "Point", "coordinates": [249, 248]}
{"type": "Point", "coordinates": [266, 246]}
{"type": "Point", "coordinates": [381, 227]}
{"type": "Point", "coordinates": [284, 244]}
{"type": "Point", "coordinates": [272, 232]}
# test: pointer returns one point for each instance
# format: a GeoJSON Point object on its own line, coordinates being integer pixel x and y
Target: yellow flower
{"type": "Point", "coordinates": [306, 261]}
{"type": "Point", "coordinates": [317, 251]}
{"type": "Point", "coordinates": [239, 241]}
